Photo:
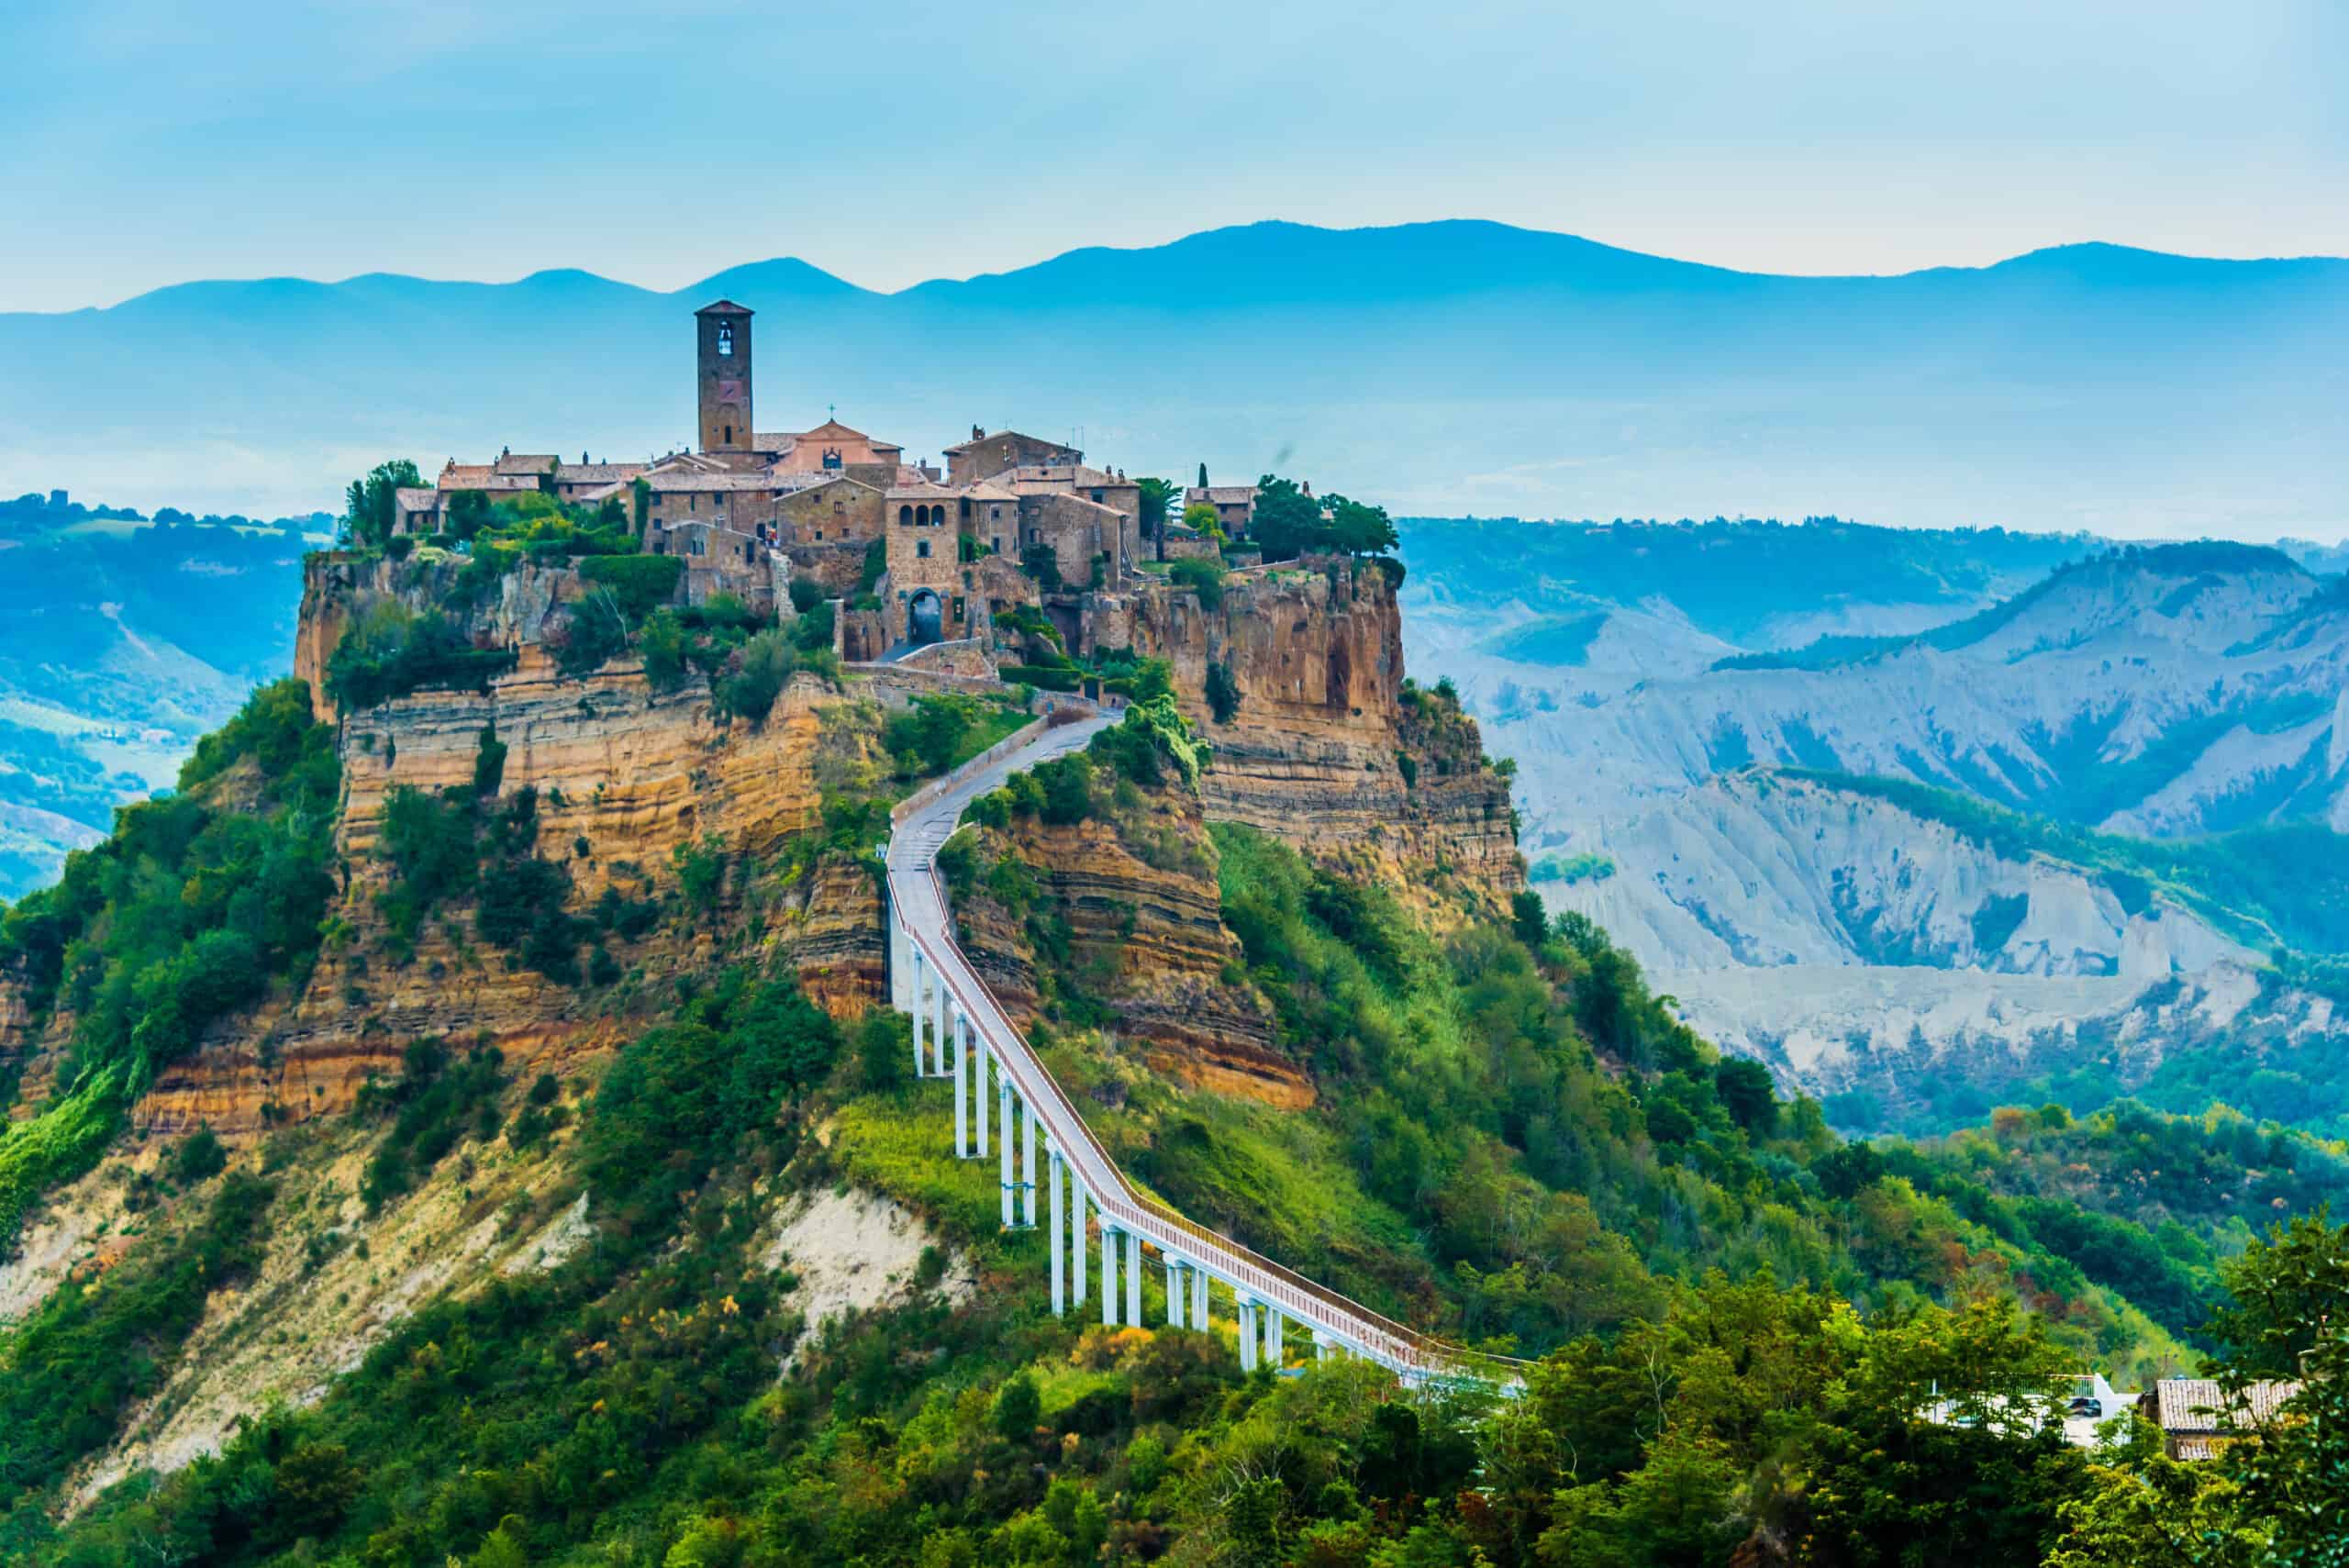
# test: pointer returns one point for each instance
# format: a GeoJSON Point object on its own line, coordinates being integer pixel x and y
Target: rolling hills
{"type": "Point", "coordinates": [1959, 829]}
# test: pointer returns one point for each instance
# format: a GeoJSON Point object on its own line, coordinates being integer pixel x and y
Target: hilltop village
{"type": "Point", "coordinates": [926, 558]}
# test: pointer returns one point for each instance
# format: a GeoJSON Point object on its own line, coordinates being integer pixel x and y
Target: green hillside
{"type": "Point", "coordinates": [1513, 1142]}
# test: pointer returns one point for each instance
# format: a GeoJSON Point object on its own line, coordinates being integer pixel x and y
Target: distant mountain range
{"type": "Point", "coordinates": [1453, 367]}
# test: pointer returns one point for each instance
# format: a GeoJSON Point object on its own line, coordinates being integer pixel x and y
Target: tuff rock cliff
{"type": "Point", "coordinates": [1328, 748]}
{"type": "Point", "coordinates": [1328, 745]}
{"type": "Point", "coordinates": [1121, 912]}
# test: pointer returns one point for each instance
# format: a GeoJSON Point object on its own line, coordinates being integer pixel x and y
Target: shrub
{"type": "Point", "coordinates": [1203, 577]}
{"type": "Point", "coordinates": [885, 1044]}
{"type": "Point", "coordinates": [927, 736]}
{"type": "Point", "coordinates": [199, 1157]}
{"type": "Point", "coordinates": [660, 644]}
{"type": "Point", "coordinates": [489, 762]}
{"type": "Point", "coordinates": [1222, 693]}
{"type": "Point", "coordinates": [749, 693]}
{"type": "Point", "coordinates": [437, 1103]}
{"type": "Point", "coordinates": [1018, 1408]}
{"type": "Point", "coordinates": [390, 651]}
{"type": "Point", "coordinates": [639, 584]}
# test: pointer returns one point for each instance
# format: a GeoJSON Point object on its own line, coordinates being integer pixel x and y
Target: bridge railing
{"type": "Point", "coordinates": [1303, 1299]}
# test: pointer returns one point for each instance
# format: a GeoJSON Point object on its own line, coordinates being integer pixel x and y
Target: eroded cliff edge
{"type": "Point", "coordinates": [629, 793]}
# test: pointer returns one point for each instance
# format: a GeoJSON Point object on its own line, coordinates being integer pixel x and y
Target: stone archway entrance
{"type": "Point", "coordinates": [925, 617]}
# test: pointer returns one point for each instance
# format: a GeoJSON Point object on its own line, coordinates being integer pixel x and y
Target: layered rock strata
{"type": "Point", "coordinates": [1327, 747]}
{"type": "Point", "coordinates": [1125, 913]}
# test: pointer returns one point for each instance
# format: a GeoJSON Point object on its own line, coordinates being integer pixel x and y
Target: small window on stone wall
{"type": "Point", "coordinates": [922, 550]}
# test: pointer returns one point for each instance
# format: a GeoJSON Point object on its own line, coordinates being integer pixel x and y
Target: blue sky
{"type": "Point", "coordinates": [145, 142]}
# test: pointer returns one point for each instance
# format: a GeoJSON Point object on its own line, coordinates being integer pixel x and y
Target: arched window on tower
{"type": "Point", "coordinates": [726, 340]}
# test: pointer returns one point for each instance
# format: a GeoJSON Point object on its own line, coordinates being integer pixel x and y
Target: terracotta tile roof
{"type": "Point", "coordinates": [524, 463]}
{"type": "Point", "coordinates": [415, 499]}
{"type": "Point", "coordinates": [989, 490]}
{"type": "Point", "coordinates": [960, 446]}
{"type": "Point", "coordinates": [1064, 476]}
{"type": "Point", "coordinates": [482, 479]}
{"type": "Point", "coordinates": [464, 475]}
{"type": "Point", "coordinates": [1220, 494]}
{"type": "Point", "coordinates": [597, 472]}
{"type": "Point", "coordinates": [678, 481]}
{"type": "Point", "coordinates": [2199, 1405]}
{"type": "Point", "coordinates": [921, 490]}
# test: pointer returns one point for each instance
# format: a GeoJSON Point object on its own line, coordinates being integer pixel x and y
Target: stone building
{"type": "Point", "coordinates": [928, 597]}
{"type": "Point", "coordinates": [1235, 506]}
{"type": "Point", "coordinates": [1079, 534]}
{"type": "Point", "coordinates": [983, 456]}
{"type": "Point", "coordinates": [836, 509]}
{"type": "Point", "coordinates": [416, 510]}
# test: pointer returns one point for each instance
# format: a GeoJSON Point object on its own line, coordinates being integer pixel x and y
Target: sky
{"type": "Point", "coordinates": [147, 142]}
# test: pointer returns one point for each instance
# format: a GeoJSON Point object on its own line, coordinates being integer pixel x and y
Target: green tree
{"type": "Point", "coordinates": [1158, 499]}
{"type": "Point", "coordinates": [1018, 1408]}
{"type": "Point", "coordinates": [370, 505]}
{"type": "Point", "coordinates": [1357, 529]}
{"type": "Point", "coordinates": [1287, 521]}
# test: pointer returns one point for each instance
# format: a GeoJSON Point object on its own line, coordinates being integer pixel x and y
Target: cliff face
{"type": "Point", "coordinates": [1123, 914]}
{"type": "Point", "coordinates": [1326, 748]}
{"type": "Point", "coordinates": [625, 779]}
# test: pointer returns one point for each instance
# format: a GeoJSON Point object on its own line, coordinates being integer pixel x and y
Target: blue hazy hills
{"type": "Point", "coordinates": [1456, 367]}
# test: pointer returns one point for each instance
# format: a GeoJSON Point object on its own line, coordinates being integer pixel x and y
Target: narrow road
{"type": "Point", "coordinates": [919, 900]}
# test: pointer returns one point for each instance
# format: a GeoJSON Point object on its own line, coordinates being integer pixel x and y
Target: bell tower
{"type": "Point", "coordinates": [722, 336]}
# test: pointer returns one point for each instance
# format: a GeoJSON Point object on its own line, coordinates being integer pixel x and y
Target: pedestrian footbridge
{"type": "Point", "coordinates": [1004, 1097]}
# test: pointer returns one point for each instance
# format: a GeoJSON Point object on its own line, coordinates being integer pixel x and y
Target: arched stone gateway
{"type": "Point", "coordinates": [925, 614]}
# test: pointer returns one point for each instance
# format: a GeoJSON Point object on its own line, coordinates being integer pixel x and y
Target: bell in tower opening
{"type": "Point", "coordinates": [722, 338]}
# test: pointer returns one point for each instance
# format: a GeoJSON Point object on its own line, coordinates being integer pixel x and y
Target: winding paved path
{"type": "Point", "coordinates": [923, 824]}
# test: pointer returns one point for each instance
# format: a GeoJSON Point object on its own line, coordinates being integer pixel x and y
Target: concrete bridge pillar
{"type": "Point", "coordinates": [979, 1093]}
{"type": "Point", "coordinates": [1076, 1239]}
{"type": "Point", "coordinates": [1003, 1103]}
{"type": "Point", "coordinates": [961, 1086]}
{"type": "Point", "coordinates": [943, 1027]}
{"type": "Point", "coordinates": [899, 944]}
{"type": "Point", "coordinates": [1177, 1287]}
{"type": "Point", "coordinates": [1028, 1165]}
{"type": "Point", "coordinates": [1109, 1273]}
{"type": "Point", "coordinates": [1243, 1312]}
{"type": "Point", "coordinates": [920, 1005]}
{"type": "Point", "coordinates": [1198, 1314]}
{"type": "Point", "coordinates": [1059, 1237]}
{"type": "Point", "coordinates": [1272, 1336]}
{"type": "Point", "coordinates": [1134, 1280]}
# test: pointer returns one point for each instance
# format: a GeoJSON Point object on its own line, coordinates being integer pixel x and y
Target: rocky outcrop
{"type": "Point", "coordinates": [1124, 913]}
{"type": "Point", "coordinates": [1328, 746]}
